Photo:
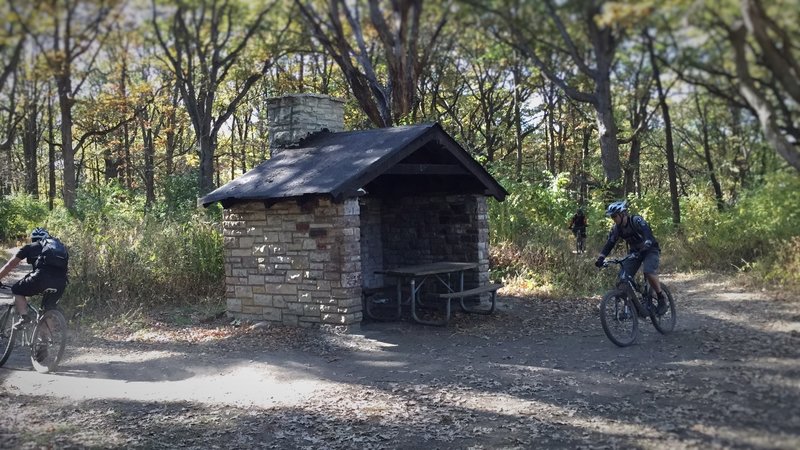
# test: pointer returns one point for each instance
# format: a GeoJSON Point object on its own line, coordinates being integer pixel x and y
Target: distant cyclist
{"type": "Point", "coordinates": [641, 244]}
{"type": "Point", "coordinates": [49, 259]}
{"type": "Point", "coordinates": [578, 224]}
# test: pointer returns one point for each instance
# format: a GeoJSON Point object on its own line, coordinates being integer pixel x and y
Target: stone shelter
{"type": "Point", "coordinates": [307, 229]}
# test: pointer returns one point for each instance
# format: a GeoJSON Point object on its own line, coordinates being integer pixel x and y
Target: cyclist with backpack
{"type": "Point", "coordinates": [49, 259]}
{"type": "Point", "coordinates": [578, 223]}
{"type": "Point", "coordinates": [641, 243]}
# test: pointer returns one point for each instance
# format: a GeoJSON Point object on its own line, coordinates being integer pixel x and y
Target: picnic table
{"type": "Point", "coordinates": [448, 274]}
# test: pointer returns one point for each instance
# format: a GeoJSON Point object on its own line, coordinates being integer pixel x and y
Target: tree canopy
{"type": "Point", "coordinates": [621, 98]}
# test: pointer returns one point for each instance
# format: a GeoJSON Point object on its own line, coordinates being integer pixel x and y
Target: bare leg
{"type": "Point", "coordinates": [652, 278]}
{"type": "Point", "coordinates": [21, 303]}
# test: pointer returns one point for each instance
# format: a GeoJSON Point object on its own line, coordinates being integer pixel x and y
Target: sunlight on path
{"type": "Point", "coordinates": [243, 383]}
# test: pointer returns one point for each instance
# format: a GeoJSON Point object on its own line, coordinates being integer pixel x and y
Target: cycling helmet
{"type": "Point", "coordinates": [616, 208]}
{"type": "Point", "coordinates": [38, 234]}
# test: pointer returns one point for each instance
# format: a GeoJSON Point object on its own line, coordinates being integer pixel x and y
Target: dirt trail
{"type": "Point", "coordinates": [538, 373]}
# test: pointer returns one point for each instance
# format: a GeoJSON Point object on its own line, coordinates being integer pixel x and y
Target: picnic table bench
{"type": "Point", "coordinates": [461, 295]}
{"type": "Point", "coordinates": [417, 276]}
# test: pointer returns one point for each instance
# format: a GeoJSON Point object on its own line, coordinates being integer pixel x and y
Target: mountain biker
{"type": "Point", "coordinates": [578, 223]}
{"type": "Point", "coordinates": [641, 244]}
{"type": "Point", "coordinates": [44, 275]}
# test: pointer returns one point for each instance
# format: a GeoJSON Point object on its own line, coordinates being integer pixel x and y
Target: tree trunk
{"type": "Point", "coordinates": [551, 140]}
{"type": "Point", "coordinates": [670, 149]}
{"type": "Point", "coordinates": [65, 106]}
{"type": "Point", "coordinates": [764, 112]}
{"type": "Point", "coordinates": [244, 137]}
{"type": "Point", "coordinates": [149, 156]}
{"type": "Point", "coordinates": [172, 134]}
{"type": "Point", "coordinates": [607, 130]}
{"type": "Point", "coordinates": [51, 154]}
{"type": "Point", "coordinates": [517, 127]}
{"type": "Point", "coordinates": [632, 168]}
{"type": "Point", "coordinates": [30, 145]}
{"type": "Point", "coordinates": [707, 155]}
{"type": "Point", "coordinates": [584, 187]}
{"type": "Point", "coordinates": [127, 165]}
{"type": "Point", "coordinates": [206, 175]}
{"type": "Point", "coordinates": [604, 44]}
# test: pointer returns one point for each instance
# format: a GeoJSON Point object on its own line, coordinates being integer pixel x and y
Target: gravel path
{"type": "Point", "coordinates": [538, 373]}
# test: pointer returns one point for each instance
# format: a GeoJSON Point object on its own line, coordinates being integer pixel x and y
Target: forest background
{"type": "Point", "coordinates": [116, 115]}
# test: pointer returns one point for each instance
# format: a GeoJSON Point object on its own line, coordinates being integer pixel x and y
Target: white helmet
{"type": "Point", "coordinates": [38, 234]}
{"type": "Point", "coordinates": [616, 208]}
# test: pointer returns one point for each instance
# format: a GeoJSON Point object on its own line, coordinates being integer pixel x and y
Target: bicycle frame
{"type": "Point", "coordinates": [628, 295]}
{"type": "Point", "coordinates": [628, 282]}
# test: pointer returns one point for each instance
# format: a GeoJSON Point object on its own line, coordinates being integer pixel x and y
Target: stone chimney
{"type": "Point", "coordinates": [293, 117]}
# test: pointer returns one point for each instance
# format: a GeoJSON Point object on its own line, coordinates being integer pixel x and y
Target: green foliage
{"type": "Point", "coordinates": [531, 245]}
{"type": "Point", "coordinates": [19, 214]}
{"type": "Point", "coordinates": [531, 209]}
{"type": "Point", "coordinates": [532, 249]}
{"type": "Point", "coordinates": [180, 195]}
{"type": "Point", "coordinates": [753, 234]}
{"type": "Point", "coordinates": [122, 259]}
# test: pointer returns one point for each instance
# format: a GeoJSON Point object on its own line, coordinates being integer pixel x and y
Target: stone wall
{"type": "Point", "coordinates": [297, 264]}
{"type": "Point", "coordinates": [431, 228]}
{"type": "Point", "coordinates": [293, 117]}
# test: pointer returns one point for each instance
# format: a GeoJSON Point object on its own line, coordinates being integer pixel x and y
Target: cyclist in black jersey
{"type": "Point", "coordinates": [578, 223]}
{"type": "Point", "coordinates": [43, 276]}
{"type": "Point", "coordinates": [635, 231]}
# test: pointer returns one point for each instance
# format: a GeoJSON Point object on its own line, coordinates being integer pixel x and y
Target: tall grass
{"type": "Point", "coordinates": [123, 258]}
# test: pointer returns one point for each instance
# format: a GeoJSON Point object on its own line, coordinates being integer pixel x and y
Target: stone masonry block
{"type": "Point", "coordinates": [255, 310]}
{"type": "Point", "coordinates": [281, 289]}
{"type": "Point", "coordinates": [234, 304]}
{"type": "Point", "coordinates": [272, 314]}
{"type": "Point", "coordinates": [255, 280]}
{"type": "Point", "coordinates": [243, 292]}
{"type": "Point", "coordinates": [262, 300]}
{"type": "Point", "coordinates": [294, 276]}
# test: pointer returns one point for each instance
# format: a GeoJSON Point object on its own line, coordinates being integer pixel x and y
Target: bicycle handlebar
{"type": "Point", "coordinates": [617, 260]}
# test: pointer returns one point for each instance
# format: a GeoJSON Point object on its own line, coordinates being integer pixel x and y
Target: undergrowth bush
{"type": "Point", "coordinates": [533, 251]}
{"type": "Point", "coordinates": [19, 214]}
{"type": "Point", "coordinates": [531, 248]}
{"type": "Point", "coordinates": [124, 259]}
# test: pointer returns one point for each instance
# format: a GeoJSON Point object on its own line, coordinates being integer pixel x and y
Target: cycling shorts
{"type": "Point", "coordinates": [649, 262]}
{"type": "Point", "coordinates": [36, 282]}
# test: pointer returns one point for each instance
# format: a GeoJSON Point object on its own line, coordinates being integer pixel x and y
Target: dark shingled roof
{"type": "Point", "coordinates": [339, 164]}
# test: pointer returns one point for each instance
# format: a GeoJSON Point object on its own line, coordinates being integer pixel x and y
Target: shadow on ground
{"type": "Point", "coordinates": [537, 373]}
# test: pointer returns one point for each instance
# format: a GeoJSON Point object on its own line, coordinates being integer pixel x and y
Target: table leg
{"type": "Point", "coordinates": [414, 308]}
{"type": "Point", "coordinates": [399, 297]}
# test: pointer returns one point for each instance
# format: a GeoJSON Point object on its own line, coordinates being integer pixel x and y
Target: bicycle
{"type": "Point", "coordinates": [621, 308]}
{"type": "Point", "coordinates": [45, 337]}
{"type": "Point", "coordinates": [580, 240]}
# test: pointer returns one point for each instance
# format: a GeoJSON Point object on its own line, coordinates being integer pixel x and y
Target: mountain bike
{"type": "Point", "coordinates": [580, 240]}
{"type": "Point", "coordinates": [623, 306]}
{"type": "Point", "coordinates": [44, 338]}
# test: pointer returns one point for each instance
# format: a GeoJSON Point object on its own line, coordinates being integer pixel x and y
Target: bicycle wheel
{"type": "Point", "coordinates": [618, 316]}
{"type": "Point", "coordinates": [666, 322]}
{"type": "Point", "coordinates": [48, 342]}
{"type": "Point", "coordinates": [7, 318]}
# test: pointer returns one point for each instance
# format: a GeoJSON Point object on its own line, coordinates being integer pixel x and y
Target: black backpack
{"type": "Point", "coordinates": [54, 254]}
